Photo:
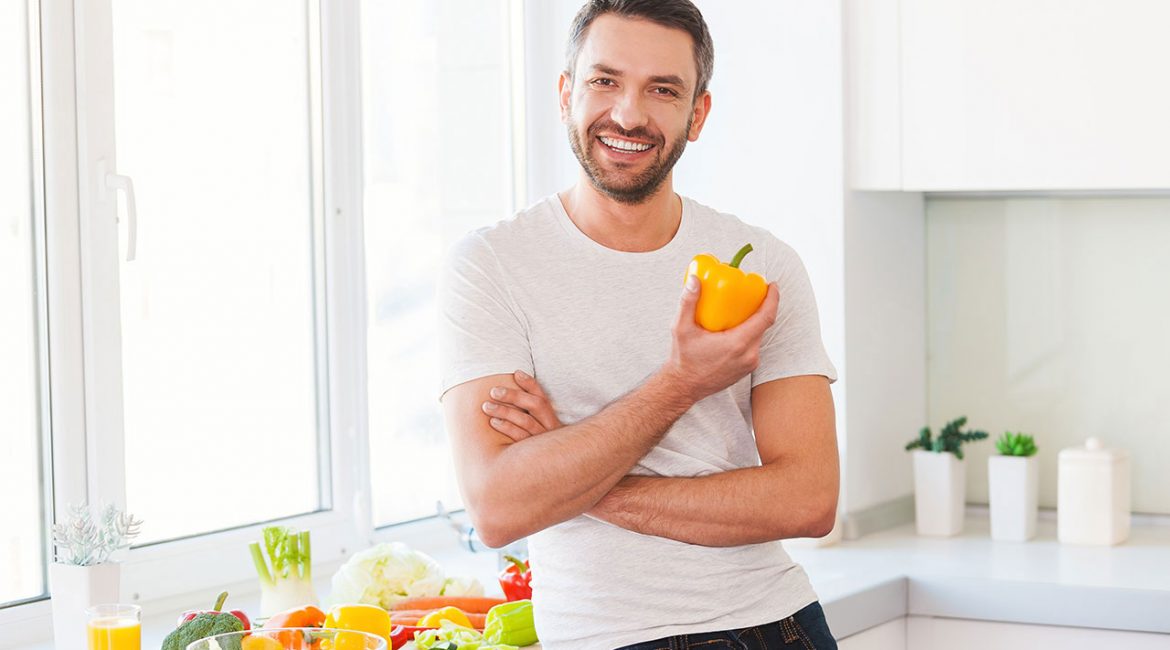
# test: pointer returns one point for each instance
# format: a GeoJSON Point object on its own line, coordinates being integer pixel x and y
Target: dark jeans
{"type": "Point", "coordinates": [805, 630]}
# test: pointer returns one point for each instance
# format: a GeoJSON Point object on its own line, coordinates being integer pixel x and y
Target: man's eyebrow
{"type": "Point", "coordinates": [605, 69]}
{"type": "Point", "coordinates": [671, 79]}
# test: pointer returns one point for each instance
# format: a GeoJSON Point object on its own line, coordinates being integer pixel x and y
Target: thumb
{"type": "Point", "coordinates": [690, 297]}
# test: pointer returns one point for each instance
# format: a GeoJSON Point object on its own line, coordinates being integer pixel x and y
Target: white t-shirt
{"type": "Point", "coordinates": [534, 293]}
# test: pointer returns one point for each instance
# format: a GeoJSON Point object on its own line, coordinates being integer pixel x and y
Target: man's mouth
{"type": "Point", "coordinates": [624, 146]}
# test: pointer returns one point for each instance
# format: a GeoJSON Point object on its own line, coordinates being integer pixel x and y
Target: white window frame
{"type": "Point", "coordinates": [81, 236]}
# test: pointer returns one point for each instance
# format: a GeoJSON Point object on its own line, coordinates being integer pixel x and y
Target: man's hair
{"type": "Point", "coordinates": [676, 14]}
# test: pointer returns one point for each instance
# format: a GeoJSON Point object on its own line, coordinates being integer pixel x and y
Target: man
{"type": "Point", "coordinates": [588, 411]}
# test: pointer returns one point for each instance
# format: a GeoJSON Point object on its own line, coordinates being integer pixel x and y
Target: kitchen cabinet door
{"type": "Point", "coordinates": [1037, 95]}
{"type": "Point", "coordinates": [928, 633]}
{"type": "Point", "coordinates": [887, 636]}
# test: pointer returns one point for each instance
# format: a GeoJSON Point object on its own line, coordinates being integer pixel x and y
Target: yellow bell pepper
{"type": "Point", "coordinates": [362, 618]}
{"type": "Point", "coordinates": [728, 295]}
{"type": "Point", "coordinates": [453, 614]}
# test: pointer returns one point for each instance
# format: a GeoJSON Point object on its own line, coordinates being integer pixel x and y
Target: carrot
{"type": "Point", "coordinates": [412, 616]}
{"type": "Point", "coordinates": [469, 604]}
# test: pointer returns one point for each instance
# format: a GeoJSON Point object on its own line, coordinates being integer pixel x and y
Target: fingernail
{"type": "Point", "coordinates": [497, 392]}
{"type": "Point", "coordinates": [692, 282]}
{"type": "Point", "coordinates": [489, 406]}
{"type": "Point", "coordinates": [521, 374]}
{"type": "Point", "coordinates": [497, 422]}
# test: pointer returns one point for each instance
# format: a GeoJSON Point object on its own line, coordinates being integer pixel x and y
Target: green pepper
{"type": "Point", "coordinates": [510, 623]}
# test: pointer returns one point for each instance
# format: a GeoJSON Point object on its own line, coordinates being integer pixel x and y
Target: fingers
{"type": "Point", "coordinates": [528, 383]}
{"type": "Point", "coordinates": [537, 405]}
{"type": "Point", "coordinates": [765, 315]}
{"type": "Point", "coordinates": [508, 429]}
{"type": "Point", "coordinates": [514, 416]}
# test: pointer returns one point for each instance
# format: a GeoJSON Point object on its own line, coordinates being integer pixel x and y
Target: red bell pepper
{"type": "Point", "coordinates": [192, 613]}
{"type": "Point", "coordinates": [516, 579]}
{"type": "Point", "coordinates": [400, 634]}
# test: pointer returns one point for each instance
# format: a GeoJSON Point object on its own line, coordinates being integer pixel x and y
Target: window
{"type": "Point", "coordinates": [437, 126]}
{"type": "Point", "coordinates": [183, 271]}
{"type": "Point", "coordinates": [215, 123]}
{"type": "Point", "coordinates": [22, 542]}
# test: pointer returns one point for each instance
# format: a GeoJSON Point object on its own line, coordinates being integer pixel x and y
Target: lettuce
{"type": "Point", "coordinates": [387, 573]}
{"type": "Point", "coordinates": [458, 636]}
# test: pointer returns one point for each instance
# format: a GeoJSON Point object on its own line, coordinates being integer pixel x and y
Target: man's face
{"type": "Point", "coordinates": [629, 106]}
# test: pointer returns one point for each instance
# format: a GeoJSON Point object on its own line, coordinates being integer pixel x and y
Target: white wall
{"type": "Point", "coordinates": [1050, 316]}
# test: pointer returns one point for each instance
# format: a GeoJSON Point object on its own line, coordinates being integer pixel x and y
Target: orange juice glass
{"type": "Point", "coordinates": [114, 627]}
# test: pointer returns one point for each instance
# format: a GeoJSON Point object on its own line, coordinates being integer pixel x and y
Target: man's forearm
{"type": "Point", "coordinates": [562, 473]}
{"type": "Point", "coordinates": [743, 506]}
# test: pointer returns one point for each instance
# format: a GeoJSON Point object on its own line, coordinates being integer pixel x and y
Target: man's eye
{"type": "Point", "coordinates": [666, 91]}
{"type": "Point", "coordinates": [603, 82]}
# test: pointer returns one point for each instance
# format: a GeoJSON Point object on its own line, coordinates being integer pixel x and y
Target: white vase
{"type": "Point", "coordinates": [940, 482]}
{"type": "Point", "coordinates": [75, 588]}
{"type": "Point", "coordinates": [1013, 484]}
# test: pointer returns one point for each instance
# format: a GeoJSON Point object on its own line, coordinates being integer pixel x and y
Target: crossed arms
{"type": "Point", "coordinates": [521, 471]}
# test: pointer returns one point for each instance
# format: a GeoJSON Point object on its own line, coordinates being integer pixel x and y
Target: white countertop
{"type": "Point", "coordinates": [894, 573]}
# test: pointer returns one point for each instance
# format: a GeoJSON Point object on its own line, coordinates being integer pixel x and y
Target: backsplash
{"type": "Point", "coordinates": [1051, 316]}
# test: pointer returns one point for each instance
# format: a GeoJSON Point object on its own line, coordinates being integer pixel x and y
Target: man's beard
{"type": "Point", "coordinates": [645, 183]}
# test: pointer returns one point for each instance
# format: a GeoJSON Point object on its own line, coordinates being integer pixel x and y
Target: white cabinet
{"type": "Point", "coordinates": [887, 636]}
{"type": "Point", "coordinates": [1008, 95]}
{"type": "Point", "coordinates": [927, 633]}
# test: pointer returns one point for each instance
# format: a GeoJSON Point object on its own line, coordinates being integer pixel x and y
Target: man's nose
{"type": "Point", "coordinates": [629, 112]}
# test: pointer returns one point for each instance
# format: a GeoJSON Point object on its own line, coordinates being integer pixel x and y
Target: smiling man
{"type": "Point", "coordinates": [653, 465]}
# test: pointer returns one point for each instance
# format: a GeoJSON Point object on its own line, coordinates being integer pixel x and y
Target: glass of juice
{"type": "Point", "coordinates": [114, 627]}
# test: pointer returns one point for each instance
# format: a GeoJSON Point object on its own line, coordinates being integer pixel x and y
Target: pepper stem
{"type": "Point", "coordinates": [521, 565]}
{"type": "Point", "coordinates": [219, 602]}
{"type": "Point", "coordinates": [747, 248]}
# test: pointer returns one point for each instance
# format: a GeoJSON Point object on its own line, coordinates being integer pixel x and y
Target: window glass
{"type": "Point", "coordinates": [214, 123]}
{"type": "Point", "coordinates": [436, 127]}
{"type": "Point", "coordinates": [22, 544]}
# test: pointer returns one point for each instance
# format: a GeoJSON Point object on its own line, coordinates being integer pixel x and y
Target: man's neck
{"type": "Point", "coordinates": [647, 226]}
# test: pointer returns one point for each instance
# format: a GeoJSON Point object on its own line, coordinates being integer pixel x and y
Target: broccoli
{"type": "Point", "coordinates": [203, 626]}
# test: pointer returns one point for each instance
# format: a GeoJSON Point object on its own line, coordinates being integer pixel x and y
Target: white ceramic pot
{"type": "Point", "coordinates": [1013, 484]}
{"type": "Point", "coordinates": [940, 483]}
{"type": "Point", "coordinates": [72, 590]}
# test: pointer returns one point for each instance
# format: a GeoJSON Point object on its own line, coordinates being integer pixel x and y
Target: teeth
{"type": "Point", "coordinates": [625, 145]}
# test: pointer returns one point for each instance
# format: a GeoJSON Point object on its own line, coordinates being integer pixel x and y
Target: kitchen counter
{"type": "Point", "coordinates": [888, 575]}
{"type": "Point", "coordinates": [895, 573]}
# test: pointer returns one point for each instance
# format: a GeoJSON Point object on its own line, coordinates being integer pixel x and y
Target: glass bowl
{"type": "Point", "coordinates": [292, 638]}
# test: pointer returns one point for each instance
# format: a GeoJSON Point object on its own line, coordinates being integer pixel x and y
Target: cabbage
{"type": "Point", "coordinates": [387, 573]}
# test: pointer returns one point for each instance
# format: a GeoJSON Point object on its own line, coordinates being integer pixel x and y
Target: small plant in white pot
{"type": "Point", "coordinates": [940, 478]}
{"type": "Point", "coordinates": [83, 574]}
{"type": "Point", "coordinates": [1013, 484]}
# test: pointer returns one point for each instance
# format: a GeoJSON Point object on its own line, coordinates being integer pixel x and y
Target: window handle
{"type": "Point", "coordinates": [109, 184]}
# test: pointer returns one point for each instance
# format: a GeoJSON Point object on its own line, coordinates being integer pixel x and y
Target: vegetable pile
{"type": "Point", "coordinates": [389, 590]}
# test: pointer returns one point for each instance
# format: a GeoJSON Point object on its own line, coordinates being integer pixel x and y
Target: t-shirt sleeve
{"type": "Point", "coordinates": [792, 346]}
{"type": "Point", "coordinates": [481, 329]}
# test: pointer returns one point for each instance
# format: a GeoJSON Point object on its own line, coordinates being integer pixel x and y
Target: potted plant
{"type": "Point", "coordinates": [82, 574]}
{"type": "Point", "coordinates": [1013, 484]}
{"type": "Point", "coordinates": [940, 478]}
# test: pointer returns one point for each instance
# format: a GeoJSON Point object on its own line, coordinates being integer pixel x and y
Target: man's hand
{"type": "Point", "coordinates": [702, 362]}
{"type": "Point", "coordinates": [523, 413]}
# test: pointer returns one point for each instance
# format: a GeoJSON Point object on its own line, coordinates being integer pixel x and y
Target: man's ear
{"type": "Point", "coordinates": [565, 90]}
{"type": "Point", "coordinates": [699, 118]}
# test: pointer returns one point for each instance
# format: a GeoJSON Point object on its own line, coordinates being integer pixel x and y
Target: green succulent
{"type": "Point", "coordinates": [949, 439]}
{"type": "Point", "coordinates": [1015, 444]}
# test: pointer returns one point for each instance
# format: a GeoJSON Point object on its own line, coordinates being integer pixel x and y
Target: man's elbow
{"type": "Point", "coordinates": [821, 519]}
{"type": "Point", "coordinates": [493, 525]}
{"type": "Point", "coordinates": [823, 524]}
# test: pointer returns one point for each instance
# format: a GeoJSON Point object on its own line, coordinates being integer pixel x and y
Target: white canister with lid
{"type": "Point", "coordinates": [1093, 495]}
